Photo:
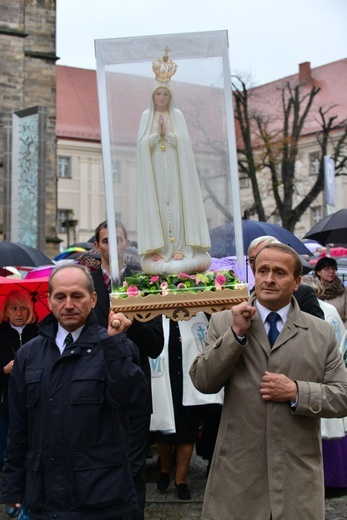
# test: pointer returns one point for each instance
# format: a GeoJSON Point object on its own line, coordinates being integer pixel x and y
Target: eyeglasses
{"type": "Point", "coordinates": [329, 268]}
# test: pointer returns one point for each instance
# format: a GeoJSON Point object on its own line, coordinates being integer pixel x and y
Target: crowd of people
{"type": "Point", "coordinates": [264, 382]}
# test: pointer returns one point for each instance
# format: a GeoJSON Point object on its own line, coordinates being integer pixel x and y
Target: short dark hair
{"type": "Point", "coordinates": [326, 261]}
{"type": "Point", "coordinates": [103, 225]}
{"type": "Point", "coordinates": [89, 279]}
{"type": "Point", "coordinates": [286, 249]}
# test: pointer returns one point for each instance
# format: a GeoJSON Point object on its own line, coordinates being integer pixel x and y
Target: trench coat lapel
{"type": "Point", "coordinates": [296, 320]}
{"type": "Point", "coordinates": [257, 330]}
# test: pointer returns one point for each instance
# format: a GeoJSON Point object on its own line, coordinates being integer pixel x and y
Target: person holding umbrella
{"type": "Point", "coordinates": [334, 290]}
{"type": "Point", "coordinates": [17, 326]}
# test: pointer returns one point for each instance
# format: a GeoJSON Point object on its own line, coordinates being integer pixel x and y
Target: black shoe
{"type": "Point", "coordinates": [11, 511]}
{"type": "Point", "coordinates": [163, 482]}
{"type": "Point", "coordinates": [183, 492]}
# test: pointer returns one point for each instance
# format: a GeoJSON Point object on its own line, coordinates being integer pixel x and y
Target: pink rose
{"type": "Point", "coordinates": [132, 290]}
{"type": "Point", "coordinates": [181, 286]}
{"type": "Point", "coordinates": [220, 279]}
{"type": "Point", "coordinates": [163, 285]}
{"type": "Point", "coordinates": [183, 276]}
{"type": "Point", "coordinates": [154, 279]}
{"type": "Point", "coordinates": [164, 292]}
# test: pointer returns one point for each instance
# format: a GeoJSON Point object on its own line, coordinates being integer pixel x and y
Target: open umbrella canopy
{"type": "Point", "coordinates": [223, 237]}
{"type": "Point", "coordinates": [332, 229]}
{"type": "Point", "coordinates": [312, 245]}
{"type": "Point", "coordinates": [85, 245]}
{"type": "Point", "coordinates": [37, 290]}
{"type": "Point", "coordinates": [10, 272]}
{"type": "Point", "coordinates": [44, 271]}
{"type": "Point", "coordinates": [70, 252]}
{"type": "Point", "coordinates": [15, 254]}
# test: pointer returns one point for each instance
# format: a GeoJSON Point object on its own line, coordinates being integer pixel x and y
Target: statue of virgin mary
{"type": "Point", "coordinates": [173, 235]}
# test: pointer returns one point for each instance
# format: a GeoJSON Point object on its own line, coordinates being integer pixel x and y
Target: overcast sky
{"type": "Point", "coordinates": [267, 39]}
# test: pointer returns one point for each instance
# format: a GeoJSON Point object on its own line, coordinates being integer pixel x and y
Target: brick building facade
{"type": "Point", "coordinates": [28, 81]}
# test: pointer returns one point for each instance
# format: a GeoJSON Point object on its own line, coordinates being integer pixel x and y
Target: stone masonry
{"type": "Point", "coordinates": [28, 79]}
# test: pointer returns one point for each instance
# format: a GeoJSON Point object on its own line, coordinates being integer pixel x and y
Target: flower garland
{"type": "Point", "coordinates": [144, 285]}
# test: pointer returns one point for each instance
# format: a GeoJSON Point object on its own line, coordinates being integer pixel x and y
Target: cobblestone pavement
{"type": "Point", "coordinates": [166, 506]}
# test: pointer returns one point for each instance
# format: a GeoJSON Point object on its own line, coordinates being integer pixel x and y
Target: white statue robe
{"type": "Point", "coordinates": [169, 201]}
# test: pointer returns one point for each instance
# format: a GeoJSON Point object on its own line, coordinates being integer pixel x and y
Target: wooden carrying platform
{"type": "Point", "coordinates": [179, 306]}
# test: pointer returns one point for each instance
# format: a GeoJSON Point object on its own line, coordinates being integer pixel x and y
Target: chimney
{"type": "Point", "coordinates": [305, 72]}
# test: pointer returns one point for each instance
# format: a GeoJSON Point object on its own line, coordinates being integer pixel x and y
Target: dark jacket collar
{"type": "Point", "coordinates": [48, 327]}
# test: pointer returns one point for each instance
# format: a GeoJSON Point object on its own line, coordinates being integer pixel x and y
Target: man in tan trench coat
{"type": "Point", "coordinates": [268, 462]}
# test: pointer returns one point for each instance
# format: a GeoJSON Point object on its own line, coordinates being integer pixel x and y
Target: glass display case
{"type": "Point", "coordinates": [170, 166]}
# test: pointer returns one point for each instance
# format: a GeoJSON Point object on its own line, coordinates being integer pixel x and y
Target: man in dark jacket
{"type": "Point", "coordinates": [148, 337]}
{"type": "Point", "coordinates": [69, 391]}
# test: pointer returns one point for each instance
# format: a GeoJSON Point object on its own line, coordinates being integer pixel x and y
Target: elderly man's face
{"type": "Point", "coordinates": [70, 300]}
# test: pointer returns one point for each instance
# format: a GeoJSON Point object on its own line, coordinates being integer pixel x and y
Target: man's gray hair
{"type": "Point", "coordinates": [266, 239]}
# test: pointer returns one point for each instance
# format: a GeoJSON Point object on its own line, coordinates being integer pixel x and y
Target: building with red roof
{"type": "Point", "coordinates": [81, 194]}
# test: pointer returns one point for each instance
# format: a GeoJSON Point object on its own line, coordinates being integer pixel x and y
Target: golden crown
{"type": "Point", "coordinates": [164, 68]}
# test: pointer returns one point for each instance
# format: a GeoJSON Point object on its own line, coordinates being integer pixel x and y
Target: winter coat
{"type": "Point", "coordinates": [147, 336]}
{"type": "Point", "coordinates": [67, 448]}
{"type": "Point", "coordinates": [268, 459]}
{"type": "Point", "coordinates": [10, 342]}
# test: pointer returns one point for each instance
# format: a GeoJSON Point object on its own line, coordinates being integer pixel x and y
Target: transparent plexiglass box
{"type": "Point", "coordinates": [169, 151]}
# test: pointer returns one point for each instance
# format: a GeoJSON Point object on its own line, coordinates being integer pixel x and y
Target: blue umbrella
{"type": "Point", "coordinates": [223, 237]}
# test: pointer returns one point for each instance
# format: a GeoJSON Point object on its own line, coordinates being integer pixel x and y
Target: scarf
{"type": "Point", "coordinates": [332, 289]}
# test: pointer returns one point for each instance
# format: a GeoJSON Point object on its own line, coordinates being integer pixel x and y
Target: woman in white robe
{"type": "Point", "coordinates": [173, 234]}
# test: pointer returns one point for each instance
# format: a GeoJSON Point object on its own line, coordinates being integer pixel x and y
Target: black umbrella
{"type": "Point", "coordinates": [223, 237]}
{"type": "Point", "coordinates": [15, 254]}
{"type": "Point", "coordinates": [332, 229]}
